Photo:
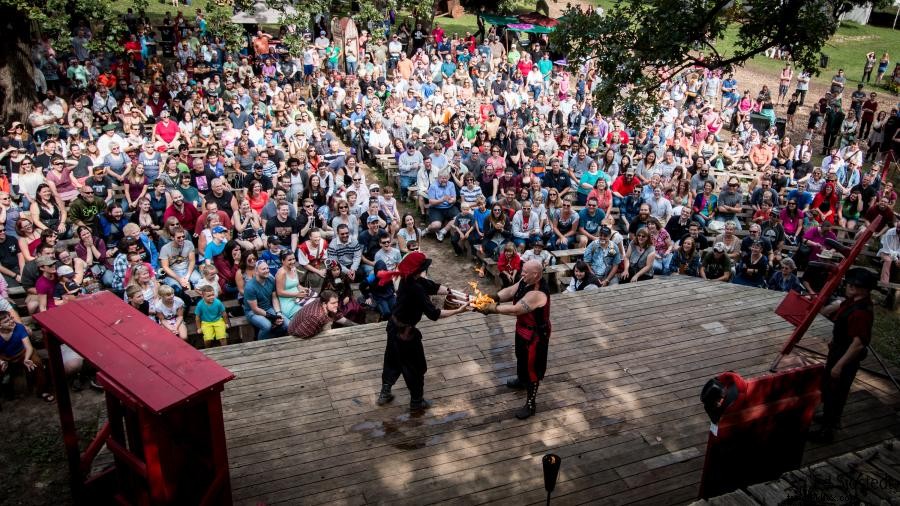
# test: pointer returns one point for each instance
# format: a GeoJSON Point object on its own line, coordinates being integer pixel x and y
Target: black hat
{"type": "Point", "coordinates": [720, 392]}
{"type": "Point", "coordinates": [862, 278]}
{"type": "Point", "coordinates": [604, 230]}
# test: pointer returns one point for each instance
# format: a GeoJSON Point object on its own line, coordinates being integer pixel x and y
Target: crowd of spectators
{"type": "Point", "coordinates": [183, 177]}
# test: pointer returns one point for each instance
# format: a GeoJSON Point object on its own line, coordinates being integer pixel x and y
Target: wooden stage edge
{"type": "Point", "coordinates": [620, 404]}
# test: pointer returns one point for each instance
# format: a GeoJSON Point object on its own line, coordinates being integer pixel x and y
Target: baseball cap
{"type": "Point", "coordinates": [45, 261]}
{"type": "Point", "coordinates": [374, 186]}
{"type": "Point", "coordinates": [372, 219]}
{"type": "Point", "coordinates": [219, 230]}
{"type": "Point", "coordinates": [719, 247]}
{"type": "Point", "coordinates": [64, 270]}
{"type": "Point", "coordinates": [604, 230]}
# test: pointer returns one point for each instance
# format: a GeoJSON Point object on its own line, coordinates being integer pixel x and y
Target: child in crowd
{"type": "Point", "coordinates": [210, 278]}
{"type": "Point", "coordinates": [212, 319]}
{"type": "Point", "coordinates": [216, 245]}
{"type": "Point", "coordinates": [169, 310]}
{"type": "Point", "coordinates": [462, 226]}
{"type": "Point", "coordinates": [387, 204]}
{"type": "Point", "coordinates": [136, 299]}
{"type": "Point", "coordinates": [272, 255]}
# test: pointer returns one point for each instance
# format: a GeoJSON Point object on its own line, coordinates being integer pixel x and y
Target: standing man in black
{"type": "Point", "coordinates": [853, 318]}
{"type": "Point", "coordinates": [530, 299]}
{"type": "Point", "coordinates": [404, 354]}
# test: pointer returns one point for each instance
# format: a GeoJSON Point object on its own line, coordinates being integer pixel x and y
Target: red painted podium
{"type": "Point", "coordinates": [762, 434]}
{"type": "Point", "coordinates": [165, 428]}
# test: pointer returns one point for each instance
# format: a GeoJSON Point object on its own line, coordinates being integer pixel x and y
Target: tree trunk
{"type": "Point", "coordinates": [16, 68]}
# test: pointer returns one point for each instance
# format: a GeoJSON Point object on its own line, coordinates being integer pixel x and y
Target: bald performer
{"type": "Point", "coordinates": [529, 301]}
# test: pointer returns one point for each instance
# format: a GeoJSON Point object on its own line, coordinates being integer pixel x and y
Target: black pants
{"type": "Point", "coordinates": [405, 358]}
{"type": "Point", "coordinates": [531, 358]}
{"type": "Point", "coordinates": [828, 141]}
{"type": "Point", "coordinates": [835, 391]}
{"type": "Point", "coordinates": [864, 127]}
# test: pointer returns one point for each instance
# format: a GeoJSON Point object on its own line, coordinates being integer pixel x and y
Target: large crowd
{"type": "Point", "coordinates": [202, 185]}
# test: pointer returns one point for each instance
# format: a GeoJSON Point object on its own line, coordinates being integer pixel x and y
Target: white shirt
{"type": "Point", "coordinates": [890, 244]}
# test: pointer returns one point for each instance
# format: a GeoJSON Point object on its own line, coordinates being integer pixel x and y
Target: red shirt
{"type": "Point", "coordinates": [166, 132]}
{"type": "Point", "coordinates": [868, 110]}
{"type": "Point", "coordinates": [509, 264]}
{"type": "Point", "coordinates": [525, 67]}
{"type": "Point", "coordinates": [624, 188]}
{"type": "Point", "coordinates": [187, 217]}
{"type": "Point", "coordinates": [887, 216]}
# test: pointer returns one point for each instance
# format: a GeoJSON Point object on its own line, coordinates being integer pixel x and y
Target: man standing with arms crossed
{"type": "Point", "coordinates": [530, 304]}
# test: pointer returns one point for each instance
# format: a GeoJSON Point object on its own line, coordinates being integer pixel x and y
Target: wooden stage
{"type": "Point", "coordinates": [620, 404]}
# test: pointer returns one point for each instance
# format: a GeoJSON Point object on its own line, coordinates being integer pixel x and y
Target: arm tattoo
{"type": "Point", "coordinates": [525, 306]}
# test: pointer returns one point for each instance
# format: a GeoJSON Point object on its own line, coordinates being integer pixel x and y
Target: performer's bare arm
{"type": "Point", "coordinates": [531, 301]}
{"type": "Point", "coordinates": [507, 293]}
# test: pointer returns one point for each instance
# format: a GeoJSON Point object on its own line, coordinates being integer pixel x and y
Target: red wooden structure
{"type": "Point", "coordinates": [165, 428]}
{"type": "Point", "coordinates": [801, 311]}
{"type": "Point", "coordinates": [761, 435]}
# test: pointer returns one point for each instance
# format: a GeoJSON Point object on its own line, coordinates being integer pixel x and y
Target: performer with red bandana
{"type": "Point", "coordinates": [530, 299]}
{"type": "Point", "coordinates": [404, 354]}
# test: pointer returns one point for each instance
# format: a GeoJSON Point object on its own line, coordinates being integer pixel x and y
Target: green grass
{"type": "Point", "coordinates": [846, 50]}
{"type": "Point", "coordinates": [885, 338]}
{"type": "Point", "coordinates": [157, 9]}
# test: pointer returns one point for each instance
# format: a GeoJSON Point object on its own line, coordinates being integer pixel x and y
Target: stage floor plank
{"type": "Point", "coordinates": [619, 404]}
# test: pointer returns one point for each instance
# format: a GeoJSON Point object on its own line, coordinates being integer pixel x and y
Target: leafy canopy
{"type": "Point", "coordinates": [638, 44]}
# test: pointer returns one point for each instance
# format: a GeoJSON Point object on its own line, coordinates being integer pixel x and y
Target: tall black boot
{"type": "Point", "coordinates": [530, 403]}
{"type": "Point", "coordinates": [385, 396]}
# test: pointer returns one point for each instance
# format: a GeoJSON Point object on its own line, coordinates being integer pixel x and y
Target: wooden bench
{"type": "Point", "coordinates": [566, 255]}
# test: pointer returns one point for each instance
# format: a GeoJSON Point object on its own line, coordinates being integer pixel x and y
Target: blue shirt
{"type": "Point", "coordinates": [261, 293]}
{"type": "Point", "coordinates": [480, 216]}
{"type": "Point", "coordinates": [591, 223]}
{"type": "Point", "coordinates": [437, 192]}
{"type": "Point", "coordinates": [210, 312]}
{"type": "Point", "coordinates": [803, 198]}
{"type": "Point", "coordinates": [600, 259]}
{"type": "Point", "coordinates": [16, 344]}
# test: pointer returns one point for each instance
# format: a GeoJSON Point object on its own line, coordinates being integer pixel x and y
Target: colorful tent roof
{"type": "Point", "coordinates": [530, 23]}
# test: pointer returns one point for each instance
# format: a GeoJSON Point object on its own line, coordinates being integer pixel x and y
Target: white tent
{"type": "Point", "coordinates": [262, 14]}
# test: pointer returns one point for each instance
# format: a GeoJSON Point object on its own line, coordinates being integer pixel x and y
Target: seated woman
{"type": "Point", "coordinates": [785, 279]}
{"type": "Point", "coordinates": [752, 269]}
{"type": "Point", "coordinates": [496, 230]}
{"type": "Point", "coordinates": [583, 279]}
{"type": "Point", "coordinates": [686, 259]}
{"type": "Point", "coordinates": [639, 258]}
{"type": "Point", "coordinates": [291, 295]}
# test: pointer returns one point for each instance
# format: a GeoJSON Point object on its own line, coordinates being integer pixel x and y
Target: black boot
{"type": "Point", "coordinates": [530, 406]}
{"type": "Point", "coordinates": [419, 404]}
{"type": "Point", "coordinates": [516, 383]}
{"type": "Point", "coordinates": [385, 396]}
